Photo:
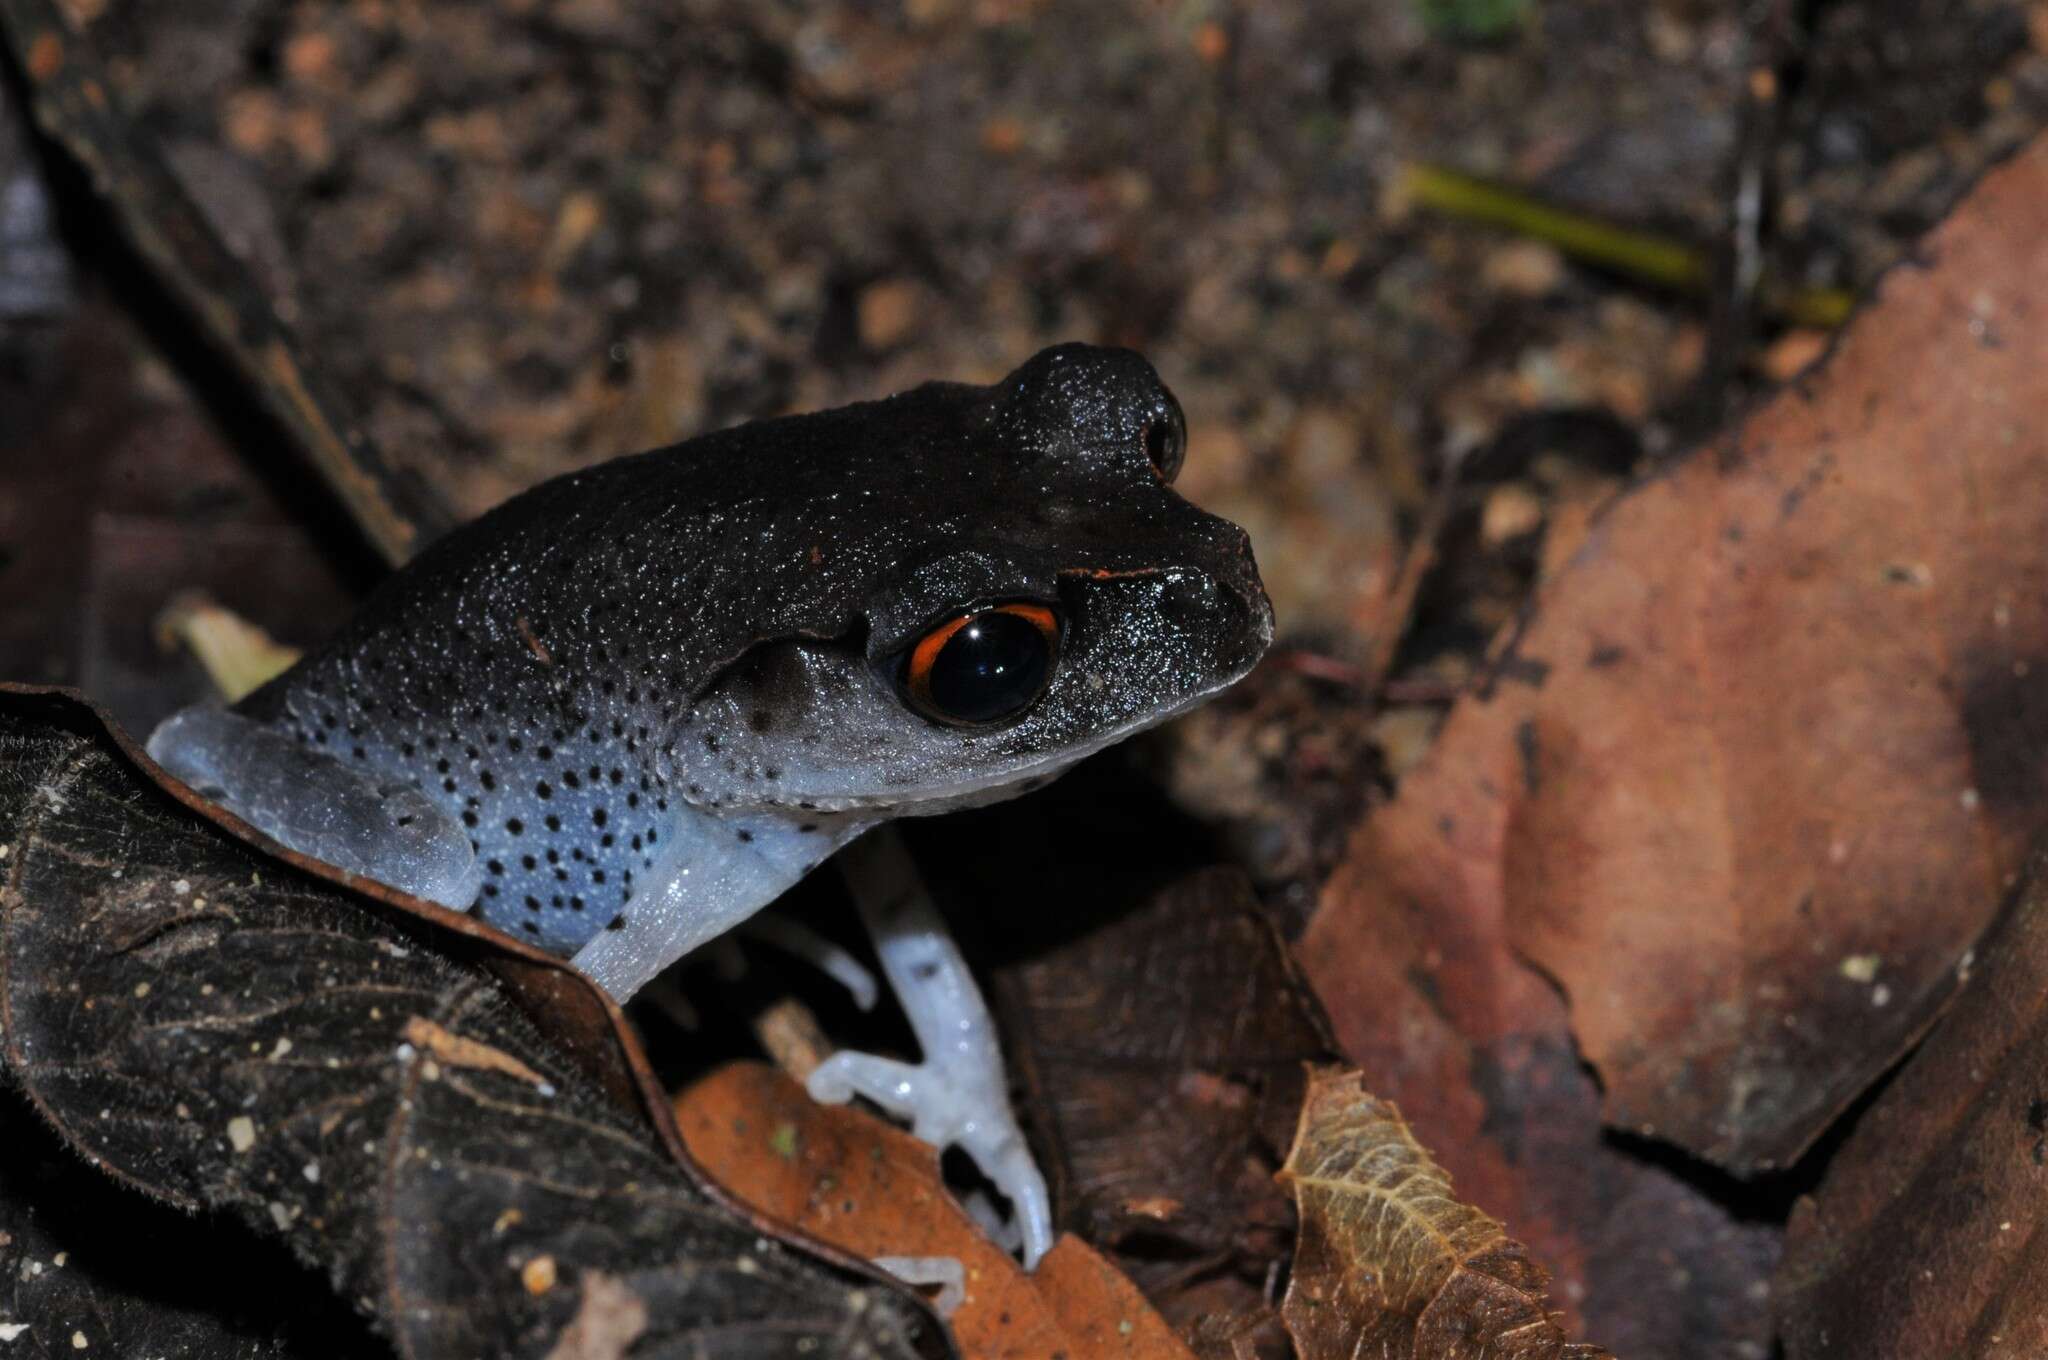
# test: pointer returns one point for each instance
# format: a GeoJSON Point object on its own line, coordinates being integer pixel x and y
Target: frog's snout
{"type": "Point", "coordinates": [1227, 604]}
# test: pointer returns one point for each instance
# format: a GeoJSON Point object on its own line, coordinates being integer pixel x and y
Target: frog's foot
{"type": "Point", "coordinates": [314, 804]}
{"type": "Point", "coordinates": [958, 1095]}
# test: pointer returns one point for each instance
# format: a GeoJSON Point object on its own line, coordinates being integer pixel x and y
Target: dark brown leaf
{"type": "Point", "coordinates": [1927, 1236]}
{"type": "Point", "coordinates": [1164, 1052]}
{"type": "Point", "coordinates": [224, 1031]}
{"type": "Point", "coordinates": [89, 1270]}
{"type": "Point", "coordinates": [75, 105]}
{"type": "Point", "coordinates": [1391, 1263]}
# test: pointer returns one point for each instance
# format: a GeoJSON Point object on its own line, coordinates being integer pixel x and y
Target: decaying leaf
{"type": "Point", "coordinates": [1929, 1235]}
{"type": "Point", "coordinates": [1163, 1053]}
{"type": "Point", "coordinates": [872, 1189]}
{"type": "Point", "coordinates": [88, 1269]}
{"type": "Point", "coordinates": [225, 1031]}
{"type": "Point", "coordinates": [1752, 779]}
{"type": "Point", "coordinates": [1390, 1262]}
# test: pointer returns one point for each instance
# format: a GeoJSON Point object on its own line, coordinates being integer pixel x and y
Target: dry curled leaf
{"type": "Point", "coordinates": [228, 1032]}
{"type": "Point", "coordinates": [1929, 1235]}
{"type": "Point", "coordinates": [1390, 1262]}
{"type": "Point", "coordinates": [872, 1189]}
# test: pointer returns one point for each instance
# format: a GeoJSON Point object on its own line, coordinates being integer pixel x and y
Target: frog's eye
{"type": "Point", "coordinates": [984, 666]}
{"type": "Point", "coordinates": [1166, 440]}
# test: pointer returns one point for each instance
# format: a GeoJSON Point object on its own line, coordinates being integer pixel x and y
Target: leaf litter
{"type": "Point", "coordinates": [224, 1031]}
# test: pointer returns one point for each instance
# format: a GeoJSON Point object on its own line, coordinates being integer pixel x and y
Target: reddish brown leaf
{"type": "Point", "coordinates": [872, 1189]}
{"type": "Point", "coordinates": [1929, 1236]}
{"type": "Point", "coordinates": [1753, 777]}
{"type": "Point", "coordinates": [1391, 1263]}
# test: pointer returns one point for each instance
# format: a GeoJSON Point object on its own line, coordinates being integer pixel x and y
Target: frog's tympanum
{"type": "Point", "coordinates": [627, 709]}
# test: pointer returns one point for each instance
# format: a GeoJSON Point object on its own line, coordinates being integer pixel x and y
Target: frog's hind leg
{"type": "Point", "coordinates": [958, 1095]}
{"type": "Point", "coordinates": [312, 803]}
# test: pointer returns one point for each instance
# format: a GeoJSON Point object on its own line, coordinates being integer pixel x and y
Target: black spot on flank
{"type": "Point", "coordinates": [808, 807]}
{"type": "Point", "coordinates": [746, 836]}
{"type": "Point", "coordinates": [543, 790]}
{"type": "Point", "coordinates": [575, 853]}
{"type": "Point", "coordinates": [598, 817]}
{"type": "Point", "coordinates": [546, 753]}
{"type": "Point", "coordinates": [554, 823]}
{"type": "Point", "coordinates": [357, 752]}
{"type": "Point", "coordinates": [556, 902]}
{"type": "Point", "coordinates": [761, 720]}
{"type": "Point", "coordinates": [696, 790]}
{"type": "Point", "coordinates": [808, 827]}
{"type": "Point", "coordinates": [597, 875]}
{"type": "Point", "coordinates": [468, 817]}
{"type": "Point", "coordinates": [440, 767]}
{"type": "Point", "coordinates": [711, 741]}
{"type": "Point", "coordinates": [636, 842]}
{"type": "Point", "coordinates": [650, 835]}
{"type": "Point", "coordinates": [529, 927]}
{"type": "Point", "coordinates": [490, 890]}
{"type": "Point", "coordinates": [327, 720]}
{"type": "Point", "coordinates": [532, 902]}
{"type": "Point", "coordinates": [596, 773]}
{"type": "Point", "coordinates": [607, 840]}
{"type": "Point", "coordinates": [618, 775]}
{"type": "Point", "coordinates": [320, 737]}
{"type": "Point", "coordinates": [632, 800]}
{"type": "Point", "coordinates": [771, 773]}
{"type": "Point", "coordinates": [925, 972]}
{"type": "Point", "coordinates": [495, 867]}
{"type": "Point", "coordinates": [514, 745]}
{"type": "Point", "coordinates": [576, 904]}
{"type": "Point", "coordinates": [617, 922]}
{"type": "Point", "coordinates": [570, 781]}
{"type": "Point", "coordinates": [406, 750]}
{"type": "Point", "coordinates": [554, 857]}
{"type": "Point", "coordinates": [514, 825]}
{"type": "Point", "coordinates": [448, 786]}
{"type": "Point", "coordinates": [490, 781]}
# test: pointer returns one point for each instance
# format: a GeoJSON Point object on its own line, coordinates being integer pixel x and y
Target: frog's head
{"type": "Point", "coordinates": [1037, 591]}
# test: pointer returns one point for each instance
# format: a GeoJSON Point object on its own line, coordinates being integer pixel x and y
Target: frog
{"type": "Point", "coordinates": [630, 707]}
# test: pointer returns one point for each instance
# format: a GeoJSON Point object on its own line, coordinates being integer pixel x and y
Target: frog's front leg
{"type": "Point", "coordinates": [312, 803]}
{"type": "Point", "coordinates": [958, 1096]}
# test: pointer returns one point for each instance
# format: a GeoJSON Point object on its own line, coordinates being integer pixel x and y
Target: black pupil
{"type": "Point", "coordinates": [993, 665]}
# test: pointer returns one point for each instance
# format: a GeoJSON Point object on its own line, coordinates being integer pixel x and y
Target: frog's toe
{"type": "Point", "coordinates": [899, 1088]}
{"type": "Point", "coordinates": [318, 806]}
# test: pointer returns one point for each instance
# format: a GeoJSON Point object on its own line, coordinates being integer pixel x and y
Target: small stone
{"type": "Point", "coordinates": [1511, 512]}
{"type": "Point", "coordinates": [1528, 269]}
{"type": "Point", "coordinates": [888, 311]}
{"type": "Point", "coordinates": [538, 1275]}
{"type": "Point", "coordinates": [241, 1133]}
{"type": "Point", "coordinates": [1794, 352]}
